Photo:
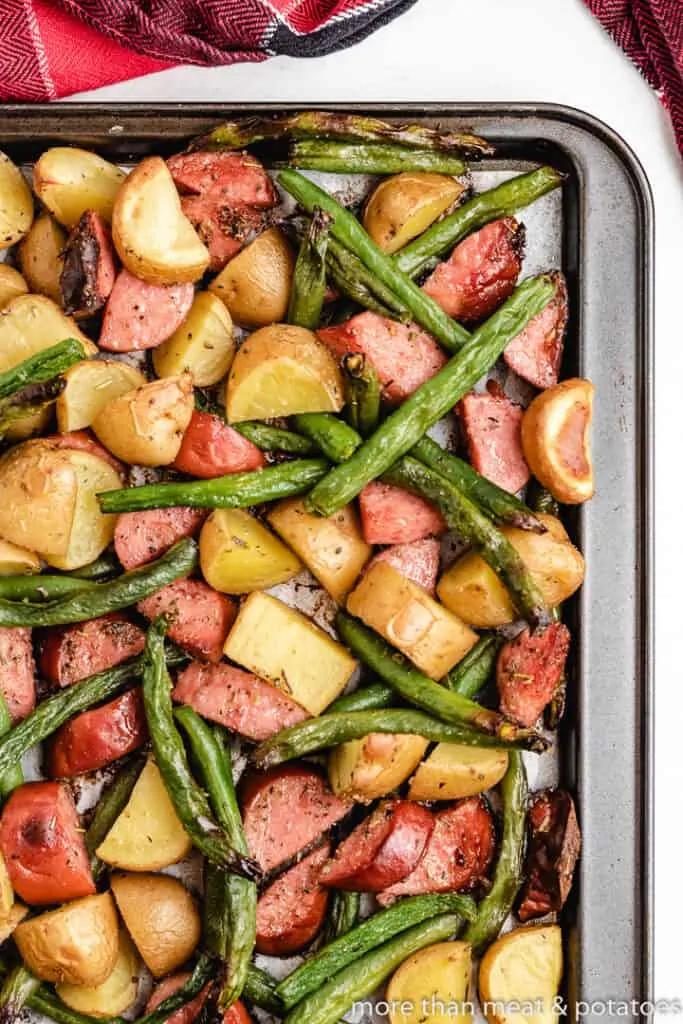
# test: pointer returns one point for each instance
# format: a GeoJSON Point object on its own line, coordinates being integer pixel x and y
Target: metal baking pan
{"type": "Point", "coordinates": [600, 230]}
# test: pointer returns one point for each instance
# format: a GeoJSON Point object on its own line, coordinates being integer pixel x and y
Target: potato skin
{"type": "Point", "coordinates": [255, 284]}
{"type": "Point", "coordinates": [39, 488]}
{"type": "Point", "coordinates": [112, 996]}
{"type": "Point", "coordinates": [70, 181]}
{"type": "Point", "coordinates": [161, 917]}
{"type": "Point", "coordinates": [146, 426]}
{"type": "Point", "coordinates": [90, 385]}
{"type": "Point", "coordinates": [16, 204]}
{"type": "Point", "coordinates": [239, 555]}
{"type": "Point", "coordinates": [12, 284]}
{"type": "Point", "coordinates": [40, 257]}
{"type": "Point", "coordinates": [203, 344]}
{"type": "Point", "coordinates": [403, 206]}
{"type": "Point", "coordinates": [556, 440]}
{"type": "Point", "coordinates": [78, 943]}
{"type": "Point", "coordinates": [366, 769]}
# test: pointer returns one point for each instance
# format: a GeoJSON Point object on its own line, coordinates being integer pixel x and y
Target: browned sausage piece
{"type": "Point", "coordinates": [390, 515]}
{"type": "Point", "coordinates": [224, 230]}
{"type": "Point", "coordinates": [529, 669]}
{"type": "Point", "coordinates": [198, 617]}
{"type": "Point", "coordinates": [536, 353]}
{"type": "Point", "coordinates": [237, 700]}
{"type": "Point", "coordinates": [140, 315]}
{"type": "Point", "coordinates": [89, 267]}
{"type": "Point", "coordinates": [554, 845]}
{"type": "Point", "coordinates": [286, 809]}
{"type": "Point", "coordinates": [458, 853]}
{"type": "Point", "coordinates": [383, 850]}
{"type": "Point", "coordinates": [238, 179]}
{"type": "Point", "coordinates": [418, 561]}
{"type": "Point", "coordinates": [141, 537]}
{"type": "Point", "coordinates": [291, 911]}
{"type": "Point", "coordinates": [17, 671]}
{"type": "Point", "coordinates": [493, 426]}
{"type": "Point", "coordinates": [481, 272]}
{"type": "Point", "coordinates": [96, 738]}
{"type": "Point", "coordinates": [70, 653]}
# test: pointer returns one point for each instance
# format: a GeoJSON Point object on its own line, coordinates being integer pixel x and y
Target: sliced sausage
{"type": "Point", "coordinates": [536, 353]}
{"type": "Point", "coordinates": [237, 700]}
{"type": "Point", "coordinates": [199, 618]}
{"type": "Point", "coordinates": [237, 1014]}
{"type": "Point", "coordinates": [17, 671]}
{"type": "Point", "coordinates": [418, 561]}
{"type": "Point", "coordinates": [458, 852]}
{"type": "Point", "coordinates": [390, 515]}
{"type": "Point", "coordinates": [140, 315]}
{"type": "Point", "coordinates": [224, 230]}
{"type": "Point", "coordinates": [552, 853]}
{"type": "Point", "coordinates": [481, 272]}
{"type": "Point", "coordinates": [186, 1014]}
{"type": "Point", "coordinates": [83, 441]}
{"type": "Point", "coordinates": [291, 911]}
{"type": "Point", "coordinates": [383, 850]}
{"type": "Point", "coordinates": [71, 653]}
{"type": "Point", "coordinates": [89, 267]}
{"type": "Point", "coordinates": [141, 537]}
{"type": "Point", "coordinates": [42, 842]}
{"type": "Point", "coordinates": [238, 179]}
{"type": "Point", "coordinates": [403, 355]}
{"type": "Point", "coordinates": [286, 809]}
{"type": "Point", "coordinates": [493, 426]}
{"type": "Point", "coordinates": [529, 669]}
{"type": "Point", "coordinates": [211, 448]}
{"type": "Point", "coordinates": [96, 738]}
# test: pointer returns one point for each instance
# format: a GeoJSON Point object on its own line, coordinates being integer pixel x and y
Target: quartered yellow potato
{"type": "Point", "coordinates": [6, 891]}
{"type": "Point", "coordinates": [12, 284]}
{"type": "Point", "coordinates": [90, 386]}
{"type": "Point", "coordinates": [15, 561]}
{"type": "Point", "coordinates": [371, 767]}
{"type": "Point", "coordinates": [31, 323]}
{"type": "Point", "coordinates": [16, 204]}
{"type": "Point", "coordinates": [112, 996]}
{"type": "Point", "coordinates": [161, 917]}
{"type": "Point", "coordinates": [454, 770]}
{"type": "Point", "coordinates": [91, 529]}
{"type": "Point", "coordinates": [433, 986]}
{"type": "Point", "coordinates": [70, 181]}
{"type": "Point", "coordinates": [40, 489]}
{"type": "Point", "coordinates": [8, 924]}
{"type": "Point", "coordinates": [204, 343]}
{"type": "Point", "coordinates": [281, 645]}
{"type": "Point", "coordinates": [255, 285]}
{"type": "Point", "coordinates": [556, 440]}
{"type": "Point", "coordinates": [145, 426]}
{"type": "Point", "coordinates": [403, 206]}
{"type": "Point", "coordinates": [520, 975]}
{"type": "Point", "coordinates": [40, 257]}
{"type": "Point", "coordinates": [332, 548]}
{"type": "Point", "coordinates": [239, 554]}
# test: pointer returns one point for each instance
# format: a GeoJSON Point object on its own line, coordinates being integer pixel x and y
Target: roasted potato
{"type": "Point", "coordinates": [146, 426]}
{"type": "Point", "coordinates": [472, 590]}
{"type": "Point", "coordinates": [12, 284]}
{"type": "Point", "coordinates": [204, 344]}
{"type": "Point", "coordinates": [453, 771]}
{"type": "Point", "coordinates": [78, 943]}
{"type": "Point", "coordinates": [40, 257]}
{"type": "Point", "coordinates": [403, 206]}
{"type": "Point", "coordinates": [147, 835]}
{"type": "Point", "coordinates": [432, 986]}
{"type": "Point", "coordinates": [7, 924]}
{"type": "Point", "coordinates": [161, 917]}
{"type": "Point", "coordinates": [282, 370]}
{"type": "Point", "coordinates": [31, 323]}
{"type": "Point", "coordinates": [238, 554]}
{"type": "Point", "coordinates": [556, 440]}
{"type": "Point", "coordinates": [6, 891]}
{"type": "Point", "coordinates": [255, 284]}
{"type": "Point", "coordinates": [90, 386]}
{"type": "Point", "coordinates": [16, 561]}
{"type": "Point", "coordinates": [367, 769]}
{"type": "Point", "coordinates": [520, 975]}
{"type": "Point", "coordinates": [91, 530]}
{"type": "Point", "coordinates": [153, 237]}
{"type": "Point", "coordinates": [406, 616]}
{"type": "Point", "coordinates": [283, 646]}
{"type": "Point", "coordinates": [333, 549]}
{"type": "Point", "coordinates": [16, 204]}
{"type": "Point", "coordinates": [112, 996]}
{"type": "Point", "coordinates": [70, 181]}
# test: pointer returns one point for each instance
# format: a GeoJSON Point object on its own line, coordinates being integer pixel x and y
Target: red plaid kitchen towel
{"type": "Point", "coordinates": [651, 33]}
{"type": "Point", "coordinates": [52, 48]}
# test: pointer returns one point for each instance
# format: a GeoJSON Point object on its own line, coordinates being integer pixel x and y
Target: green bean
{"type": "Point", "coordinates": [420, 690]}
{"type": "Point", "coordinates": [497, 904]}
{"type": "Point", "coordinates": [350, 232]}
{"type": "Point", "coordinates": [239, 490]}
{"type": "Point", "coordinates": [366, 698]}
{"type": "Point", "coordinates": [336, 439]}
{"type": "Point", "coordinates": [30, 402]}
{"type": "Point", "coordinates": [241, 894]}
{"type": "Point", "coordinates": [109, 807]}
{"type": "Point", "coordinates": [274, 439]}
{"type": "Point", "coordinates": [541, 500]}
{"type": "Point", "coordinates": [342, 915]}
{"type": "Point", "coordinates": [359, 282]}
{"type": "Point", "coordinates": [463, 516]}
{"type": "Point", "coordinates": [371, 933]}
{"type": "Point", "coordinates": [40, 587]}
{"type": "Point", "coordinates": [185, 994]}
{"type": "Point", "coordinates": [307, 293]}
{"type": "Point", "coordinates": [370, 158]}
{"type": "Point", "coordinates": [364, 393]}
{"type": "Point", "coordinates": [432, 400]}
{"type": "Point", "coordinates": [260, 989]}
{"type": "Point", "coordinates": [106, 565]}
{"type": "Point", "coordinates": [47, 1003]}
{"type": "Point", "coordinates": [14, 775]}
{"type": "Point", "coordinates": [501, 201]}
{"type": "Point", "coordinates": [42, 367]}
{"type": "Point", "coordinates": [190, 802]}
{"type": "Point", "coordinates": [17, 989]}
{"type": "Point", "coordinates": [474, 670]}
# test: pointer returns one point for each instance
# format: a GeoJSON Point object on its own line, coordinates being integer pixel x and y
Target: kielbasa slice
{"type": "Point", "coordinates": [186, 1014]}
{"type": "Point", "coordinates": [529, 669]}
{"type": "Point", "coordinates": [223, 229]}
{"type": "Point", "coordinates": [238, 179]}
{"type": "Point", "coordinates": [140, 315]}
{"type": "Point", "coordinates": [493, 425]}
{"type": "Point", "coordinates": [390, 515]}
{"type": "Point", "coordinates": [554, 846]}
{"type": "Point", "coordinates": [291, 911]}
{"type": "Point", "coordinates": [89, 267]}
{"type": "Point", "coordinates": [140, 537]}
{"type": "Point", "coordinates": [96, 738]}
{"type": "Point", "coordinates": [71, 653]}
{"type": "Point", "coordinates": [536, 353]}
{"type": "Point", "coordinates": [17, 671]}
{"type": "Point", "coordinates": [211, 448]}
{"type": "Point", "coordinates": [418, 561]}
{"type": "Point", "coordinates": [199, 618]}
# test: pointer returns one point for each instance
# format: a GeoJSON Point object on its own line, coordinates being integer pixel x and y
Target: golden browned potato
{"type": "Point", "coordinates": [16, 561]}
{"type": "Point", "coordinates": [556, 440]}
{"type": "Point", "coordinates": [91, 529]}
{"type": "Point", "coordinates": [90, 386]}
{"type": "Point", "coordinates": [78, 943]}
{"type": "Point", "coordinates": [16, 204]}
{"type": "Point", "coordinates": [453, 771]}
{"type": "Point", "coordinates": [255, 284]}
{"type": "Point", "coordinates": [7, 924]}
{"type": "Point", "coordinates": [6, 891]}
{"type": "Point", "coordinates": [40, 257]}
{"type": "Point", "coordinates": [366, 769]}
{"type": "Point", "coordinates": [204, 343]}
{"type": "Point", "coordinates": [403, 206]}
{"type": "Point", "coordinates": [112, 996]}
{"type": "Point", "coordinates": [282, 370]}
{"type": "Point", "coordinates": [520, 975]}
{"type": "Point", "coordinates": [332, 548]}
{"type": "Point", "coordinates": [238, 554]}
{"type": "Point", "coordinates": [432, 986]}
{"type": "Point", "coordinates": [472, 590]}
{"type": "Point", "coordinates": [146, 426]}
{"type": "Point", "coordinates": [147, 835]}
{"type": "Point", "coordinates": [31, 323]}
{"type": "Point", "coordinates": [12, 284]}
{"type": "Point", "coordinates": [153, 237]}
{"type": "Point", "coordinates": [70, 181]}
{"type": "Point", "coordinates": [283, 646]}
{"type": "Point", "coordinates": [161, 917]}
{"type": "Point", "coordinates": [408, 618]}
